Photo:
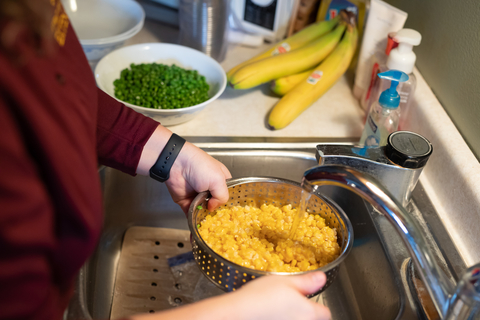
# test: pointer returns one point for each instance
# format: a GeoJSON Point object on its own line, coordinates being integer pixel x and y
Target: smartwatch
{"type": "Point", "coordinates": [160, 171]}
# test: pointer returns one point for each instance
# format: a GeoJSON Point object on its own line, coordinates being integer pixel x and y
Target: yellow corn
{"type": "Point", "coordinates": [258, 238]}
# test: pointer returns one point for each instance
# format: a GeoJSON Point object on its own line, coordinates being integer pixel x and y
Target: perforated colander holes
{"type": "Point", "coordinates": [314, 204]}
{"type": "Point", "coordinates": [333, 218]}
{"type": "Point", "coordinates": [209, 266]}
{"type": "Point", "coordinates": [214, 272]}
{"type": "Point", "coordinates": [331, 275]}
{"type": "Point", "coordinates": [202, 214]}
{"type": "Point", "coordinates": [325, 207]}
{"type": "Point", "coordinates": [289, 195]}
{"type": "Point", "coordinates": [196, 253]}
{"type": "Point", "coordinates": [220, 279]}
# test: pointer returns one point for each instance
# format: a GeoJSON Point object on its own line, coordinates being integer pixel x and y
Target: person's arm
{"type": "Point", "coordinates": [131, 142]}
{"type": "Point", "coordinates": [268, 297]}
{"type": "Point", "coordinates": [193, 171]}
{"type": "Point", "coordinates": [121, 134]}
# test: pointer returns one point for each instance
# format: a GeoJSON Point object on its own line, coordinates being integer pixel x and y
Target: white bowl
{"type": "Point", "coordinates": [108, 70]}
{"type": "Point", "coordinates": [104, 25]}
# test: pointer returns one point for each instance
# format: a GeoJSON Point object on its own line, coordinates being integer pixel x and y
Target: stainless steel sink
{"type": "Point", "coordinates": [375, 281]}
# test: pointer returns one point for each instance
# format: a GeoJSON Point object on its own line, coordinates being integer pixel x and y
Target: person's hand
{"type": "Point", "coordinates": [266, 298]}
{"type": "Point", "coordinates": [195, 171]}
{"type": "Point", "coordinates": [282, 297]}
{"type": "Point", "coordinates": [192, 172]}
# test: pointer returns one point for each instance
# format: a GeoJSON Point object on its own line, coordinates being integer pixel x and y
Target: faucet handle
{"type": "Point", "coordinates": [408, 149]}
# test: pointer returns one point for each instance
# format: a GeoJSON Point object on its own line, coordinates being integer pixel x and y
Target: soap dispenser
{"type": "Point", "coordinates": [403, 58]}
{"type": "Point", "coordinates": [384, 115]}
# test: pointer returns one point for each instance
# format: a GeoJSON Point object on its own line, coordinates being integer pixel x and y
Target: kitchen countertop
{"type": "Point", "coordinates": [243, 113]}
{"type": "Point", "coordinates": [450, 177]}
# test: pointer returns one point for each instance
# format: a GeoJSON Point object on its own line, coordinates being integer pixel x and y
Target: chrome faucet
{"type": "Point", "coordinates": [397, 165]}
{"type": "Point", "coordinates": [358, 173]}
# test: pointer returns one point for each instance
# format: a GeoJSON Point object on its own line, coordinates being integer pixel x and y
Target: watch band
{"type": "Point", "coordinates": [161, 169]}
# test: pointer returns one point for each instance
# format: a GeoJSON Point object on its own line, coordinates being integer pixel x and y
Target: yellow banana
{"type": "Point", "coordinates": [292, 62]}
{"type": "Point", "coordinates": [321, 79]}
{"type": "Point", "coordinates": [293, 42]}
{"type": "Point", "coordinates": [282, 85]}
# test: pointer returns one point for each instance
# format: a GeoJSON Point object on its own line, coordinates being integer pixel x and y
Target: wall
{"type": "Point", "coordinates": [449, 57]}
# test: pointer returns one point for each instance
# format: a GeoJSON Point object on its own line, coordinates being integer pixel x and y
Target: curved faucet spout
{"type": "Point", "coordinates": [439, 286]}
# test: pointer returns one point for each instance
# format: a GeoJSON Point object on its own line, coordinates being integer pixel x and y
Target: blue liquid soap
{"type": "Point", "coordinates": [384, 114]}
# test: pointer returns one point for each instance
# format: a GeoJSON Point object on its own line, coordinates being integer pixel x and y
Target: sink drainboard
{"type": "Point", "coordinates": [146, 283]}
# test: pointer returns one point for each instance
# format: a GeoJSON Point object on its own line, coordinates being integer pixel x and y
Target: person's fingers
{"type": "Point", "coordinates": [225, 171]}
{"type": "Point", "coordinates": [310, 282]}
{"type": "Point", "coordinates": [214, 204]}
{"type": "Point", "coordinates": [219, 192]}
{"type": "Point", "coordinates": [322, 312]}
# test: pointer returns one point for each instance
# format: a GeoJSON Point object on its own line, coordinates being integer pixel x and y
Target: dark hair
{"type": "Point", "coordinates": [26, 18]}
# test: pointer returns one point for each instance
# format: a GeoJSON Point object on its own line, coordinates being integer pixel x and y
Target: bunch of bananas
{"type": "Point", "coordinates": [301, 68]}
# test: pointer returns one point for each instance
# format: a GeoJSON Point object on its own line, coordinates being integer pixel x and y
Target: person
{"type": "Point", "coordinates": [56, 127]}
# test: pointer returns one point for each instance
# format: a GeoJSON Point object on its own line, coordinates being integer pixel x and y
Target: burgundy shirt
{"type": "Point", "coordinates": [55, 128]}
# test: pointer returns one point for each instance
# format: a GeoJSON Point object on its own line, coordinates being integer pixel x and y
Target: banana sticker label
{"type": "Point", "coordinates": [283, 48]}
{"type": "Point", "coordinates": [315, 77]}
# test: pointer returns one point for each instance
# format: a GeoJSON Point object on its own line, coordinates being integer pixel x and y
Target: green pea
{"type": "Point", "coordinates": [160, 86]}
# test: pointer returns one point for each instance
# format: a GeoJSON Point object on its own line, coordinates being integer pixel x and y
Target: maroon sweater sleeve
{"type": "Point", "coordinates": [121, 134]}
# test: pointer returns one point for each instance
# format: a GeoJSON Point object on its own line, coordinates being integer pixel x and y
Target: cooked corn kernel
{"type": "Point", "coordinates": [258, 238]}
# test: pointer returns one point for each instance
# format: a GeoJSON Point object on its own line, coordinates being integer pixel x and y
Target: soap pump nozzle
{"type": "Point", "coordinates": [390, 97]}
{"type": "Point", "coordinates": [403, 58]}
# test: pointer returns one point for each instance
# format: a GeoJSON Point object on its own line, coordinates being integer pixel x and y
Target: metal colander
{"type": "Point", "coordinates": [255, 191]}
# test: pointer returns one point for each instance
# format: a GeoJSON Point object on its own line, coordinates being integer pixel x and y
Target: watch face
{"type": "Point", "coordinates": [261, 12]}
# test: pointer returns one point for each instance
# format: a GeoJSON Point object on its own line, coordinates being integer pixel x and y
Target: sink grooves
{"type": "Point", "coordinates": [145, 283]}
